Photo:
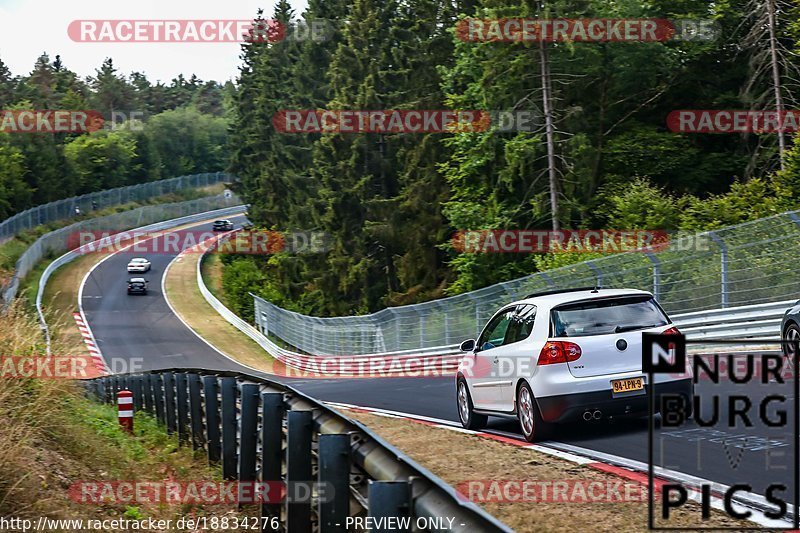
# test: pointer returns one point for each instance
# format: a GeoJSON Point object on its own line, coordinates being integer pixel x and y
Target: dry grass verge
{"type": "Point", "coordinates": [184, 296]}
{"type": "Point", "coordinates": [459, 457]}
{"type": "Point", "coordinates": [52, 437]}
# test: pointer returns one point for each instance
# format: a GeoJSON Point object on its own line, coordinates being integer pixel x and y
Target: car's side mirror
{"type": "Point", "coordinates": [468, 345]}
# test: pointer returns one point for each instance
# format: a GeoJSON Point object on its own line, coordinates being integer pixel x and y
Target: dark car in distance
{"type": "Point", "coordinates": [222, 225]}
{"type": "Point", "coordinates": [137, 286]}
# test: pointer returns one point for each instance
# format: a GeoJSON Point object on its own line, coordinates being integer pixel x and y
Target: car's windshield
{"type": "Point", "coordinates": [602, 317]}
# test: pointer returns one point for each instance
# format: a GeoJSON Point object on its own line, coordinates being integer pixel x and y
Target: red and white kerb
{"type": "Point", "coordinates": [125, 405]}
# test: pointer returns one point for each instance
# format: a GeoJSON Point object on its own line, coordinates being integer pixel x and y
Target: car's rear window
{"type": "Point", "coordinates": [609, 315]}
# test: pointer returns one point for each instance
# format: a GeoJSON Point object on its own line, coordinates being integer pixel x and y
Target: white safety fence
{"type": "Point", "coordinates": [742, 265]}
{"type": "Point", "coordinates": [752, 322]}
{"type": "Point", "coordinates": [436, 361]}
{"type": "Point", "coordinates": [86, 203]}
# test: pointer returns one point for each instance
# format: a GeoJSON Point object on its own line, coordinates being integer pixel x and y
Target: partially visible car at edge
{"type": "Point", "coordinates": [790, 331]}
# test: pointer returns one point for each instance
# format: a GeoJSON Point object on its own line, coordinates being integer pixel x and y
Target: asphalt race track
{"type": "Point", "coordinates": [144, 327]}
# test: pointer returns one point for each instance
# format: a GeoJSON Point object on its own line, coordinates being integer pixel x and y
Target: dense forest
{"type": "Point", "coordinates": [391, 202]}
{"type": "Point", "coordinates": [176, 129]}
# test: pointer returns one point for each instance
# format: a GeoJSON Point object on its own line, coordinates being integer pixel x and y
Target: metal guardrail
{"type": "Point", "coordinates": [448, 357]}
{"type": "Point", "coordinates": [113, 223]}
{"type": "Point", "coordinates": [65, 209]}
{"type": "Point", "coordinates": [263, 431]}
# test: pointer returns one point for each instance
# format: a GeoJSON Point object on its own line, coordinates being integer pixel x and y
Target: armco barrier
{"type": "Point", "coordinates": [263, 431]}
{"type": "Point", "coordinates": [447, 357]}
{"type": "Point", "coordinates": [117, 223]}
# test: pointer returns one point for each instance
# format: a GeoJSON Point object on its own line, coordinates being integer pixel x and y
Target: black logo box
{"type": "Point", "coordinates": [666, 354]}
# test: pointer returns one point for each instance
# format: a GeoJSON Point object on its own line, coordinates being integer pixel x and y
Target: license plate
{"type": "Point", "coordinates": [627, 385]}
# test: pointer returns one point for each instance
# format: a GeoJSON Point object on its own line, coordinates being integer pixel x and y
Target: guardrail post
{"type": "Point", "coordinates": [272, 413]}
{"type": "Point", "coordinates": [147, 393]}
{"type": "Point", "coordinates": [183, 408]}
{"type": "Point", "coordinates": [656, 275]}
{"type": "Point", "coordinates": [229, 428]}
{"type": "Point", "coordinates": [298, 472]}
{"type": "Point", "coordinates": [598, 274]}
{"type": "Point", "coordinates": [115, 387]}
{"type": "Point", "coordinates": [100, 390]}
{"type": "Point", "coordinates": [334, 480]}
{"type": "Point", "coordinates": [137, 392]}
{"type": "Point", "coordinates": [248, 438]}
{"type": "Point", "coordinates": [210, 393]}
{"type": "Point", "coordinates": [106, 390]}
{"type": "Point", "coordinates": [158, 398]}
{"type": "Point", "coordinates": [196, 411]}
{"type": "Point", "coordinates": [169, 401]}
{"type": "Point", "coordinates": [389, 499]}
{"type": "Point", "coordinates": [723, 272]}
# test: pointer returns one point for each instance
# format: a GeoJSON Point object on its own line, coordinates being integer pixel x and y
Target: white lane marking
{"type": "Point", "coordinates": [91, 270]}
{"type": "Point", "coordinates": [179, 317]}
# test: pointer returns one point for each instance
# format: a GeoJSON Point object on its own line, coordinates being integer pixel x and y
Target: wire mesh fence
{"type": "Point", "coordinates": [61, 240]}
{"type": "Point", "coordinates": [70, 207]}
{"type": "Point", "coordinates": [745, 264]}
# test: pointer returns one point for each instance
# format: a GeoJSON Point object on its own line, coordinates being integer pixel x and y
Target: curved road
{"type": "Point", "coordinates": [128, 327]}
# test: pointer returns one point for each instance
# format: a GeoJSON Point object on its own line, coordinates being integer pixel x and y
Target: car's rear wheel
{"type": "Point", "coordinates": [530, 419]}
{"type": "Point", "coordinates": [792, 334]}
{"type": "Point", "coordinates": [466, 413]}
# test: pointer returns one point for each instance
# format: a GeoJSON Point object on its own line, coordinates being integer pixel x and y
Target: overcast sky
{"type": "Point", "coordinates": [30, 27]}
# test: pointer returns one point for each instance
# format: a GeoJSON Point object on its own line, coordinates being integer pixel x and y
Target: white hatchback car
{"type": "Point", "coordinates": [564, 355]}
{"type": "Point", "coordinates": [138, 264]}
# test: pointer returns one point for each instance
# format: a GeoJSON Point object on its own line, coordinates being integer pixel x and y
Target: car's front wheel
{"type": "Point", "coordinates": [466, 413]}
{"type": "Point", "coordinates": [533, 426]}
{"type": "Point", "coordinates": [791, 334]}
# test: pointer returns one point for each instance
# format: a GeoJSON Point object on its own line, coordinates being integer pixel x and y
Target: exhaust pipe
{"type": "Point", "coordinates": [597, 415]}
{"type": "Point", "coordinates": [587, 416]}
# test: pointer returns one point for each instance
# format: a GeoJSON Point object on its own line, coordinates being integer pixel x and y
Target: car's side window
{"type": "Point", "coordinates": [521, 324]}
{"type": "Point", "coordinates": [495, 333]}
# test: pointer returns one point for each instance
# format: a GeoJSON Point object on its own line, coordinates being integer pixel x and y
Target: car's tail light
{"type": "Point", "coordinates": [559, 352]}
{"type": "Point", "coordinates": [671, 331]}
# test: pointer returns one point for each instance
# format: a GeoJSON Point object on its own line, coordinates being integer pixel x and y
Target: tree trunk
{"type": "Point", "coordinates": [776, 78]}
{"type": "Point", "coordinates": [548, 120]}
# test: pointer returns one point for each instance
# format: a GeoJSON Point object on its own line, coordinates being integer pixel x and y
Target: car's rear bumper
{"type": "Point", "coordinates": [568, 407]}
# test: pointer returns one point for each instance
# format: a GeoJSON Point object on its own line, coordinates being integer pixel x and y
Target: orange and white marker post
{"type": "Point", "coordinates": [125, 405]}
